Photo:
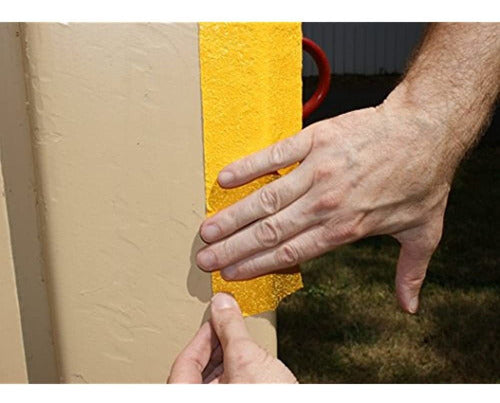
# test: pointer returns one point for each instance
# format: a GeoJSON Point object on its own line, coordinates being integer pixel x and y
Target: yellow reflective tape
{"type": "Point", "coordinates": [252, 97]}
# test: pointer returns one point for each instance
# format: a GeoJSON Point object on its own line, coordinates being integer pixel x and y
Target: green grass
{"type": "Point", "coordinates": [345, 325]}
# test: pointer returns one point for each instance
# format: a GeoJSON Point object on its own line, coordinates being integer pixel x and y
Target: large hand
{"type": "Point", "coordinates": [374, 171]}
{"type": "Point", "coordinates": [223, 352]}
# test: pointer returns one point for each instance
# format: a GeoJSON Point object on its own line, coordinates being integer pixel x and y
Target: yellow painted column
{"type": "Point", "coordinates": [252, 97]}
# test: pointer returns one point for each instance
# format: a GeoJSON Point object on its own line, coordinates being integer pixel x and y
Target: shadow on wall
{"type": "Point", "coordinates": [199, 283]}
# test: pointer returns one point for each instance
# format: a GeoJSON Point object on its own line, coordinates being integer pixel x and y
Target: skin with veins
{"type": "Point", "coordinates": [382, 170]}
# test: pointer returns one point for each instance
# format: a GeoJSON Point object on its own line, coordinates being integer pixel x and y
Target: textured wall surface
{"type": "Point", "coordinates": [111, 145]}
{"type": "Point", "coordinates": [363, 47]}
{"type": "Point", "coordinates": [251, 91]}
{"type": "Point", "coordinates": [116, 119]}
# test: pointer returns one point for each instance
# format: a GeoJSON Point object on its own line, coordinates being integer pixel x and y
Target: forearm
{"type": "Point", "coordinates": [453, 83]}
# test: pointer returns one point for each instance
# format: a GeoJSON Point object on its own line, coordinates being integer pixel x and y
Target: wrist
{"type": "Point", "coordinates": [431, 129]}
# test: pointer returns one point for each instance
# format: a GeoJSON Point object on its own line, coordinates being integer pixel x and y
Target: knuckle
{"type": "Point", "coordinates": [241, 361]}
{"type": "Point", "coordinates": [229, 218]}
{"type": "Point", "coordinates": [429, 240]}
{"type": "Point", "coordinates": [321, 137]}
{"type": "Point", "coordinates": [287, 256]}
{"type": "Point", "coordinates": [357, 230]}
{"type": "Point", "coordinates": [224, 319]}
{"type": "Point", "coordinates": [435, 238]}
{"type": "Point", "coordinates": [267, 233]}
{"type": "Point", "coordinates": [245, 167]}
{"type": "Point", "coordinates": [348, 232]}
{"type": "Point", "coordinates": [225, 253]}
{"type": "Point", "coordinates": [413, 279]}
{"type": "Point", "coordinates": [245, 271]}
{"type": "Point", "coordinates": [328, 201]}
{"type": "Point", "coordinates": [233, 274]}
{"type": "Point", "coordinates": [277, 154]}
{"type": "Point", "coordinates": [328, 236]}
{"type": "Point", "coordinates": [241, 353]}
{"type": "Point", "coordinates": [328, 233]}
{"type": "Point", "coordinates": [342, 234]}
{"type": "Point", "coordinates": [416, 279]}
{"type": "Point", "coordinates": [431, 243]}
{"type": "Point", "coordinates": [268, 200]}
{"type": "Point", "coordinates": [323, 172]}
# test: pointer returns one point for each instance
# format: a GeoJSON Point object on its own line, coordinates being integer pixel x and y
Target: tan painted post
{"type": "Point", "coordinates": [116, 124]}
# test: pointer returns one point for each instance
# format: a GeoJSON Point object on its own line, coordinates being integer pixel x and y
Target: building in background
{"type": "Point", "coordinates": [363, 48]}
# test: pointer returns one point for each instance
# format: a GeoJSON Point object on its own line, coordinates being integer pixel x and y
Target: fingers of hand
{"type": "Point", "coordinates": [264, 202]}
{"type": "Point", "coordinates": [191, 362]}
{"type": "Point", "coordinates": [302, 247]}
{"type": "Point", "coordinates": [264, 234]}
{"type": "Point", "coordinates": [279, 155]}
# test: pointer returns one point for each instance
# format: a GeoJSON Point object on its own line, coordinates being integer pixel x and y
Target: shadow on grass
{"type": "Point", "coordinates": [466, 334]}
{"type": "Point", "coordinates": [323, 322]}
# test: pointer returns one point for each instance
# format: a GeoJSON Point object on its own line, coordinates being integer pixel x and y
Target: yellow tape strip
{"type": "Point", "coordinates": [251, 95]}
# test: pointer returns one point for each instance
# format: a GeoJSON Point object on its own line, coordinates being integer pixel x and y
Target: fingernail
{"type": "Point", "coordinates": [413, 305]}
{"type": "Point", "coordinates": [222, 300]}
{"type": "Point", "coordinates": [225, 177]}
{"type": "Point", "coordinates": [209, 232]}
{"type": "Point", "coordinates": [228, 273]}
{"type": "Point", "coordinates": [207, 259]}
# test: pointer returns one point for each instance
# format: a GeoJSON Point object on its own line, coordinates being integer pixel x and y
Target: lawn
{"type": "Point", "coordinates": [344, 326]}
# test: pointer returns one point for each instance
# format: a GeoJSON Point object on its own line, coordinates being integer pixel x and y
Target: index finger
{"type": "Point", "coordinates": [280, 155]}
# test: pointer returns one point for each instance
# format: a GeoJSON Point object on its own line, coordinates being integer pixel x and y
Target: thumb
{"type": "Point", "coordinates": [417, 247]}
{"type": "Point", "coordinates": [227, 320]}
{"type": "Point", "coordinates": [410, 275]}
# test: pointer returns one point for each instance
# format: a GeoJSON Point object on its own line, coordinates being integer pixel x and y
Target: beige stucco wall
{"type": "Point", "coordinates": [116, 126]}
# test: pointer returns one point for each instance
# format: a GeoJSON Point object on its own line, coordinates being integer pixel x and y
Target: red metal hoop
{"type": "Point", "coordinates": [324, 77]}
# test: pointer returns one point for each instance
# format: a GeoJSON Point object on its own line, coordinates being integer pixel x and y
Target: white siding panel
{"type": "Point", "coordinates": [363, 48]}
{"type": "Point", "coordinates": [338, 40]}
{"type": "Point", "coordinates": [370, 50]}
